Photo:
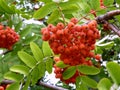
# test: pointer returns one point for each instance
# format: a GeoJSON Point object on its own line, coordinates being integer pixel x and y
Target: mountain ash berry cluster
{"type": "Point", "coordinates": [8, 37]}
{"type": "Point", "coordinates": [73, 43]}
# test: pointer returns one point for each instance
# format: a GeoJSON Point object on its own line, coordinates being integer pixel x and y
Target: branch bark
{"type": "Point", "coordinates": [104, 19]}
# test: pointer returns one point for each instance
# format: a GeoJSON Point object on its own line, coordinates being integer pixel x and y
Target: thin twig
{"type": "Point", "coordinates": [84, 17]}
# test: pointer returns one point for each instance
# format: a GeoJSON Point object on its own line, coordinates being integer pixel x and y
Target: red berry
{"type": "Point", "coordinates": [74, 20]}
{"type": "Point", "coordinates": [98, 57]}
{"type": "Point", "coordinates": [90, 33]}
{"type": "Point", "coordinates": [43, 29]}
{"type": "Point", "coordinates": [60, 26]}
{"type": "Point", "coordinates": [85, 28]}
{"type": "Point", "coordinates": [92, 24]}
{"type": "Point", "coordinates": [2, 88]}
{"type": "Point", "coordinates": [46, 35]}
{"type": "Point", "coordinates": [70, 25]}
{"type": "Point", "coordinates": [56, 59]}
{"type": "Point", "coordinates": [1, 27]}
{"type": "Point", "coordinates": [59, 33]}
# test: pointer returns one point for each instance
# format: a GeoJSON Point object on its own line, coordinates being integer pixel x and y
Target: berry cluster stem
{"type": "Point", "coordinates": [62, 15]}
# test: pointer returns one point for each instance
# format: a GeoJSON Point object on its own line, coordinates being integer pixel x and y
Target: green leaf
{"type": "Point", "coordinates": [18, 26]}
{"type": "Point", "coordinates": [114, 71]}
{"type": "Point", "coordinates": [118, 1]}
{"type": "Point", "coordinates": [49, 65]}
{"type": "Point", "coordinates": [71, 9]}
{"type": "Point", "coordinates": [45, 10]}
{"type": "Point", "coordinates": [89, 82]}
{"type": "Point", "coordinates": [80, 85]}
{"type": "Point", "coordinates": [20, 69]}
{"type": "Point", "coordinates": [25, 31]}
{"type": "Point", "coordinates": [61, 64]}
{"type": "Point", "coordinates": [63, 5]}
{"type": "Point", "coordinates": [38, 55]}
{"type": "Point", "coordinates": [46, 49]}
{"type": "Point", "coordinates": [78, 81]}
{"type": "Point", "coordinates": [4, 67]}
{"type": "Point", "coordinates": [98, 50]}
{"type": "Point", "coordinates": [53, 17]}
{"type": "Point", "coordinates": [14, 86]}
{"type": "Point", "coordinates": [27, 59]}
{"type": "Point", "coordinates": [84, 6]}
{"type": "Point", "coordinates": [2, 11]}
{"type": "Point", "coordinates": [30, 39]}
{"type": "Point", "coordinates": [1, 77]}
{"type": "Point", "coordinates": [35, 76]}
{"type": "Point", "coordinates": [109, 2]}
{"type": "Point", "coordinates": [27, 83]}
{"type": "Point", "coordinates": [104, 84]}
{"type": "Point", "coordinates": [4, 6]}
{"type": "Point", "coordinates": [42, 69]}
{"type": "Point", "coordinates": [36, 28]}
{"type": "Point", "coordinates": [95, 4]}
{"type": "Point", "coordinates": [26, 16]}
{"type": "Point", "coordinates": [89, 70]}
{"type": "Point", "coordinates": [13, 76]}
{"type": "Point", "coordinates": [69, 72]}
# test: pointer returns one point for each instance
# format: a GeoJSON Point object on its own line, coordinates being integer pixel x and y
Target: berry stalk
{"type": "Point", "coordinates": [62, 15]}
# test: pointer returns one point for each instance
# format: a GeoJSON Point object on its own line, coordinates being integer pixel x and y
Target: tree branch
{"type": "Point", "coordinates": [40, 83]}
{"type": "Point", "coordinates": [104, 19]}
{"type": "Point", "coordinates": [114, 28]}
{"type": "Point", "coordinates": [51, 86]}
{"type": "Point", "coordinates": [107, 16]}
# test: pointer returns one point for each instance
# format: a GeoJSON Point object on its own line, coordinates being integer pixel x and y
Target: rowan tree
{"type": "Point", "coordinates": [77, 40]}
